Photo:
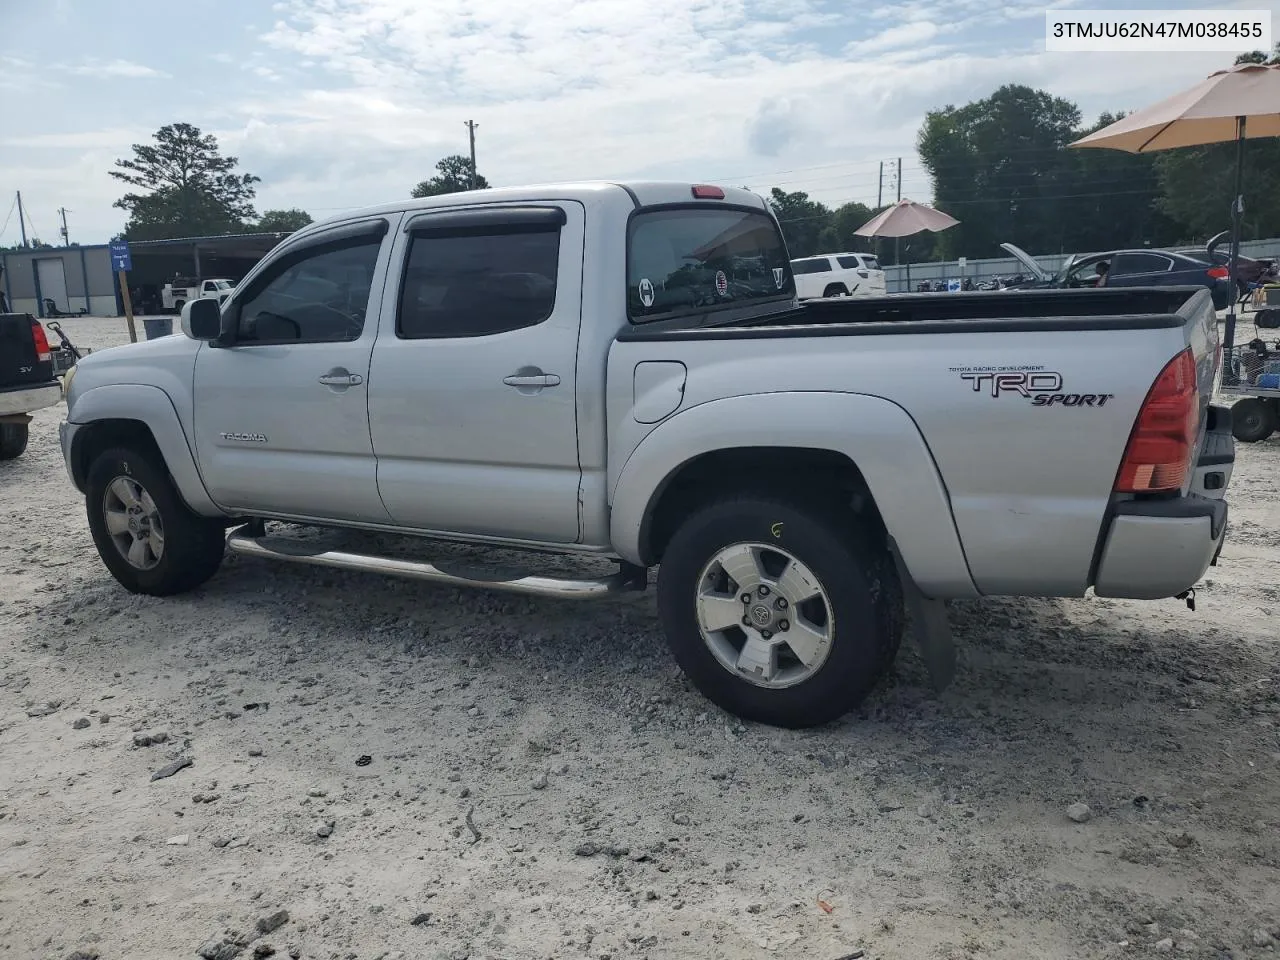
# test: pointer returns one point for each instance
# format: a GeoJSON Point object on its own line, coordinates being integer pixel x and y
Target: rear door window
{"type": "Point", "coordinates": [683, 260]}
{"type": "Point", "coordinates": [1128, 264]}
{"type": "Point", "coordinates": [851, 263]}
{"type": "Point", "coordinates": [475, 284]}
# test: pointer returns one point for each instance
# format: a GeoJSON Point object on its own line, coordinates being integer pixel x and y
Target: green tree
{"type": "Point", "coordinates": [191, 189]}
{"type": "Point", "coordinates": [282, 221]}
{"type": "Point", "coordinates": [1115, 199]}
{"type": "Point", "coordinates": [997, 166]}
{"type": "Point", "coordinates": [1260, 56]}
{"type": "Point", "coordinates": [802, 220]}
{"type": "Point", "coordinates": [453, 175]}
{"type": "Point", "coordinates": [838, 236]}
{"type": "Point", "coordinates": [1198, 182]}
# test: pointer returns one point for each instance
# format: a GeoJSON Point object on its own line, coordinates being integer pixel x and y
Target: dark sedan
{"type": "Point", "coordinates": [1129, 268]}
{"type": "Point", "coordinates": [1249, 270]}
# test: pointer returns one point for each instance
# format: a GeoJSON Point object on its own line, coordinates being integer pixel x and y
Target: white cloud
{"type": "Point", "coordinates": [115, 68]}
{"type": "Point", "coordinates": [344, 102]}
{"type": "Point", "coordinates": [910, 35]}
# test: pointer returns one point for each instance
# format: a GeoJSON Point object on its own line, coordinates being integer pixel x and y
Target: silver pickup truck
{"type": "Point", "coordinates": [624, 371]}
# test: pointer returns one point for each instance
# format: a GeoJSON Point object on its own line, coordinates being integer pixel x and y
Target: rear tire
{"type": "Point", "coordinates": [13, 440]}
{"type": "Point", "coordinates": [147, 537]}
{"type": "Point", "coordinates": [1253, 419]}
{"type": "Point", "coordinates": [800, 681]}
{"type": "Point", "coordinates": [836, 290]}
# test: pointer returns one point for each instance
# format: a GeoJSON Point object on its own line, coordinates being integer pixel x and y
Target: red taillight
{"type": "Point", "coordinates": [1164, 436]}
{"type": "Point", "coordinates": [42, 343]}
{"type": "Point", "coordinates": [1219, 273]}
{"type": "Point", "coordinates": [707, 192]}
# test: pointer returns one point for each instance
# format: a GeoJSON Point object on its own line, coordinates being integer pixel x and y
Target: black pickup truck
{"type": "Point", "coordinates": [27, 379]}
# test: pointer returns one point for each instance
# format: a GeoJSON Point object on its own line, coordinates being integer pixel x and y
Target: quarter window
{"type": "Point", "coordinates": [815, 265]}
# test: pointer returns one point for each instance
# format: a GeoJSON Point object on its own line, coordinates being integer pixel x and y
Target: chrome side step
{"type": "Point", "coordinates": [281, 548]}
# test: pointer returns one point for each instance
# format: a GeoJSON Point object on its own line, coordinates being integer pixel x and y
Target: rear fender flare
{"type": "Point", "coordinates": [153, 408]}
{"type": "Point", "coordinates": [876, 434]}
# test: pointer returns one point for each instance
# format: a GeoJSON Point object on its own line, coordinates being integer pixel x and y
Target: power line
{"type": "Point", "coordinates": [994, 200]}
{"type": "Point", "coordinates": [1029, 153]}
{"type": "Point", "coordinates": [9, 216]}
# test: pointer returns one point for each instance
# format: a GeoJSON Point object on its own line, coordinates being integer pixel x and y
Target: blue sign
{"type": "Point", "coordinates": [953, 286]}
{"type": "Point", "coordinates": [120, 259]}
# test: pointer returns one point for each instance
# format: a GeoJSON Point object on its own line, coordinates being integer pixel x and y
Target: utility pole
{"type": "Point", "coordinates": [471, 130]}
{"type": "Point", "coordinates": [880, 188]}
{"type": "Point", "coordinates": [22, 221]}
{"type": "Point", "coordinates": [66, 237]}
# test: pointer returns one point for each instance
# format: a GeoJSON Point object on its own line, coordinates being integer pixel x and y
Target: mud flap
{"type": "Point", "coordinates": [929, 623]}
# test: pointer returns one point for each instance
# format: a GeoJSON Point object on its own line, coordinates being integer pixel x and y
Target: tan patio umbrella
{"type": "Point", "coordinates": [1236, 104]}
{"type": "Point", "coordinates": [904, 219]}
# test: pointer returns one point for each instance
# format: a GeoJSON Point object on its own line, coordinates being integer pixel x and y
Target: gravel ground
{"type": "Point", "coordinates": [413, 771]}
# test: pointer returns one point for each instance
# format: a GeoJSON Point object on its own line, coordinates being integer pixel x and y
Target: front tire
{"type": "Point", "coordinates": [777, 613]}
{"type": "Point", "coordinates": [13, 440]}
{"type": "Point", "coordinates": [1253, 419]}
{"type": "Point", "coordinates": [147, 537]}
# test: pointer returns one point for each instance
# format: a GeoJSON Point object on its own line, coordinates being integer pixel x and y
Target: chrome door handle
{"type": "Point", "coordinates": [342, 380]}
{"type": "Point", "coordinates": [537, 380]}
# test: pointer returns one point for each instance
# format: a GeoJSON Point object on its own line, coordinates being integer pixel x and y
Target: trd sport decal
{"type": "Point", "coordinates": [1041, 387]}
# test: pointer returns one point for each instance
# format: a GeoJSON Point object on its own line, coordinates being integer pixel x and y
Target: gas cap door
{"type": "Point", "coordinates": [657, 389]}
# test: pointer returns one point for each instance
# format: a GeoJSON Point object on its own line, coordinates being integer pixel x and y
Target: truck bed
{"type": "Point", "coordinates": [1020, 415]}
{"type": "Point", "coordinates": [980, 312]}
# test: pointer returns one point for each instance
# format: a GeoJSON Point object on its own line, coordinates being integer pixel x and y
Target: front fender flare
{"type": "Point", "coordinates": [876, 434]}
{"type": "Point", "coordinates": [153, 408]}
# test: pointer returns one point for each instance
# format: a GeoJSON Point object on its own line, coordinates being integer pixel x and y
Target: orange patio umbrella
{"type": "Point", "coordinates": [1240, 103]}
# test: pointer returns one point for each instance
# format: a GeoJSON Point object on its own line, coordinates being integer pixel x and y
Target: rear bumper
{"type": "Point", "coordinates": [26, 398]}
{"type": "Point", "coordinates": [1159, 548]}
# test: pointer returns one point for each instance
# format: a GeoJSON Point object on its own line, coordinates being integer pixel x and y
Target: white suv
{"type": "Point", "coordinates": [838, 275]}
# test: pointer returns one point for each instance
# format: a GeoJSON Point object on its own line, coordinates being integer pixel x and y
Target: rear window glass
{"type": "Point", "coordinates": [850, 263]}
{"type": "Point", "coordinates": [814, 265]}
{"type": "Point", "coordinates": [688, 260]}
{"type": "Point", "coordinates": [871, 263]}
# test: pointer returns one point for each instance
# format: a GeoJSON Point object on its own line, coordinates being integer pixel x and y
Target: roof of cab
{"type": "Point", "coordinates": [636, 193]}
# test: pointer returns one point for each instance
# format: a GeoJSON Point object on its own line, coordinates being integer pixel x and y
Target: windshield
{"type": "Point", "coordinates": [688, 260]}
{"type": "Point", "coordinates": [1065, 269]}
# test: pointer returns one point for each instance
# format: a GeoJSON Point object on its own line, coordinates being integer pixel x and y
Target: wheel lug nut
{"type": "Point", "coordinates": [767, 634]}
{"type": "Point", "coordinates": [746, 598]}
{"type": "Point", "coordinates": [784, 625]}
{"type": "Point", "coordinates": [781, 603]}
{"type": "Point", "coordinates": [762, 591]}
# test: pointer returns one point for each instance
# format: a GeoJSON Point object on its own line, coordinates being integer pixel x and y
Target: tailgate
{"type": "Point", "coordinates": [20, 363]}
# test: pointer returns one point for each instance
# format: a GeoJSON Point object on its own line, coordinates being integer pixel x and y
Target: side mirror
{"type": "Point", "coordinates": [202, 319]}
